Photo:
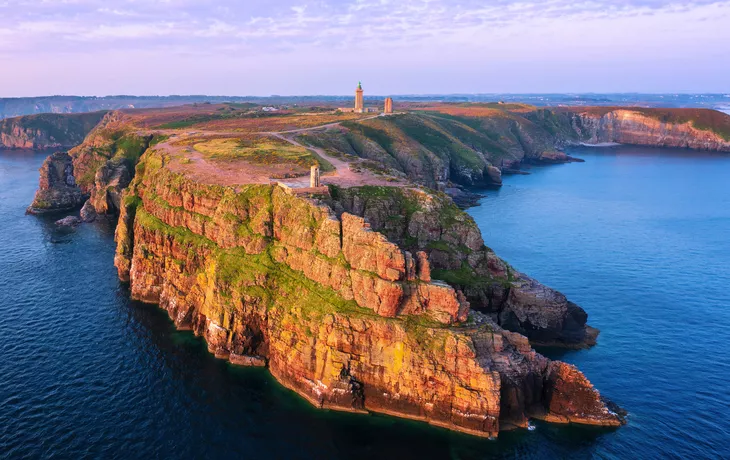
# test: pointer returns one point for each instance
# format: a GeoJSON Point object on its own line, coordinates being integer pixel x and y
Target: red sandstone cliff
{"type": "Point", "coordinates": [57, 189]}
{"type": "Point", "coordinates": [339, 313]}
{"type": "Point", "coordinates": [697, 129]}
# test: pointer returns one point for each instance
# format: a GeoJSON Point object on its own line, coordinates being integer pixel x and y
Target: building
{"type": "Point", "coordinates": [388, 105]}
{"type": "Point", "coordinates": [360, 103]}
{"type": "Point", "coordinates": [359, 99]}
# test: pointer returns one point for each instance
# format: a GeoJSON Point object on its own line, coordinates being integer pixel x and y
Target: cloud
{"type": "Point", "coordinates": [433, 37]}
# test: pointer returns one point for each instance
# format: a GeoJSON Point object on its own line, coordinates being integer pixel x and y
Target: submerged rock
{"type": "Point", "coordinates": [463, 198]}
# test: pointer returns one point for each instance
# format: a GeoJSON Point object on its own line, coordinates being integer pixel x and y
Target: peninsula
{"type": "Point", "coordinates": [364, 288]}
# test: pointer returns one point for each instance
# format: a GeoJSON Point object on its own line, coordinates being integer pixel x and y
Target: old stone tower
{"type": "Point", "coordinates": [314, 177]}
{"type": "Point", "coordinates": [359, 101]}
{"type": "Point", "coordinates": [388, 105]}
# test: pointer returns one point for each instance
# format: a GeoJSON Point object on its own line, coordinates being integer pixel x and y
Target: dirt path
{"type": "Point", "coordinates": [239, 172]}
{"type": "Point", "coordinates": [343, 174]}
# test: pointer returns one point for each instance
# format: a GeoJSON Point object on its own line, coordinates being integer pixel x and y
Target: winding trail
{"type": "Point", "coordinates": [239, 172]}
{"type": "Point", "coordinates": [343, 174]}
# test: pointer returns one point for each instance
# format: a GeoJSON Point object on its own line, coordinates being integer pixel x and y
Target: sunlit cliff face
{"type": "Point", "coordinates": [532, 46]}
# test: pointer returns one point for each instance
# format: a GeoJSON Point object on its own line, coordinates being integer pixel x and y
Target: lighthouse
{"type": "Point", "coordinates": [359, 101]}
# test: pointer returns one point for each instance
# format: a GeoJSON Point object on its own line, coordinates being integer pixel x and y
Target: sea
{"type": "Point", "coordinates": [639, 237]}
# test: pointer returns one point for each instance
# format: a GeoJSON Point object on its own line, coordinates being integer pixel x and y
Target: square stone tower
{"type": "Point", "coordinates": [388, 105]}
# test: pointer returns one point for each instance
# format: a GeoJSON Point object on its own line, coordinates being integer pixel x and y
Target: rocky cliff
{"type": "Point", "coordinates": [104, 163]}
{"type": "Point", "coordinates": [424, 221]}
{"type": "Point", "coordinates": [47, 130]}
{"type": "Point", "coordinates": [19, 106]}
{"type": "Point", "coordinates": [101, 166]}
{"type": "Point", "coordinates": [436, 147]}
{"type": "Point", "coordinates": [474, 144]}
{"type": "Point", "coordinates": [696, 129]}
{"type": "Point", "coordinates": [57, 189]}
{"type": "Point", "coordinates": [338, 312]}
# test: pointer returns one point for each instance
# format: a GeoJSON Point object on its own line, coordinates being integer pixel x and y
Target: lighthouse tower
{"type": "Point", "coordinates": [359, 101]}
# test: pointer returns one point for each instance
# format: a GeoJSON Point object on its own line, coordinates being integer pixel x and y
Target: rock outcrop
{"type": "Point", "coordinates": [696, 129]}
{"type": "Point", "coordinates": [646, 127]}
{"type": "Point", "coordinates": [69, 221]}
{"type": "Point", "coordinates": [423, 221]}
{"type": "Point", "coordinates": [104, 163]}
{"type": "Point", "coordinates": [109, 182]}
{"type": "Point", "coordinates": [88, 213]}
{"type": "Point", "coordinates": [57, 189]}
{"type": "Point", "coordinates": [339, 312]}
{"type": "Point", "coordinates": [48, 130]}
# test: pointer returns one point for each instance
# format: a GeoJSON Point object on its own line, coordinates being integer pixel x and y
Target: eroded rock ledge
{"type": "Point", "coordinates": [340, 313]}
{"type": "Point", "coordinates": [57, 189]}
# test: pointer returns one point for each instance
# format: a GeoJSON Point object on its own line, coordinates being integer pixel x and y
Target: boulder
{"type": "Point", "coordinates": [88, 213]}
{"type": "Point", "coordinates": [70, 221]}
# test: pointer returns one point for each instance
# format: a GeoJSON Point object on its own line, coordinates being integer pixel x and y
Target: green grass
{"type": "Point", "coordinates": [221, 115]}
{"type": "Point", "coordinates": [464, 276]}
{"type": "Point", "coordinates": [378, 136]}
{"type": "Point", "coordinates": [180, 234]}
{"type": "Point", "coordinates": [158, 138]}
{"type": "Point", "coordinates": [265, 152]}
{"type": "Point", "coordinates": [439, 246]}
{"type": "Point", "coordinates": [129, 145]}
{"type": "Point", "coordinates": [439, 143]}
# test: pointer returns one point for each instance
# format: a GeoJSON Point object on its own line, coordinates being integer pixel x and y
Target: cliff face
{"type": "Point", "coordinates": [339, 313]}
{"type": "Point", "coordinates": [57, 189]}
{"type": "Point", "coordinates": [422, 221]}
{"type": "Point", "coordinates": [19, 106]}
{"type": "Point", "coordinates": [104, 163]}
{"type": "Point", "coordinates": [46, 130]}
{"type": "Point", "coordinates": [473, 144]}
{"type": "Point", "coordinates": [635, 128]}
{"type": "Point", "coordinates": [696, 129]}
{"type": "Point", "coordinates": [436, 147]}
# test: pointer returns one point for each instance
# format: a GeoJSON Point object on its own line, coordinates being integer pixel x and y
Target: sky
{"type": "Point", "coordinates": [324, 47]}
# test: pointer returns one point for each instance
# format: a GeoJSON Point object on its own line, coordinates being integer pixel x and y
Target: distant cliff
{"type": "Point", "coordinates": [47, 130]}
{"type": "Point", "coordinates": [339, 312]}
{"type": "Point", "coordinates": [473, 144]}
{"type": "Point", "coordinates": [16, 107]}
{"type": "Point", "coordinates": [696, 129]}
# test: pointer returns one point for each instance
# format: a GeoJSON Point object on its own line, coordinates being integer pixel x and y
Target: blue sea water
{"type": "Point", "coordinates": [638, 237]}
